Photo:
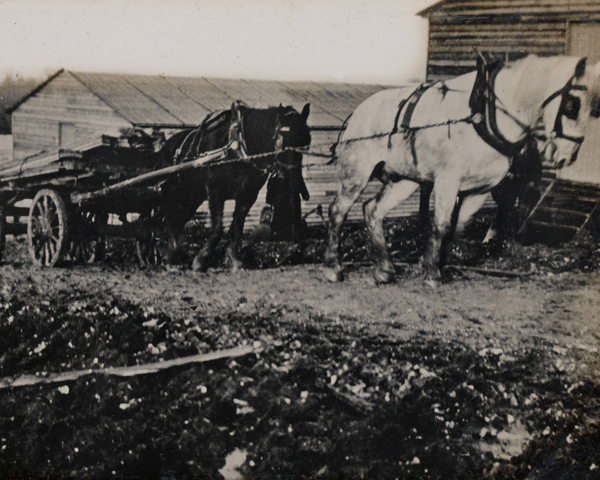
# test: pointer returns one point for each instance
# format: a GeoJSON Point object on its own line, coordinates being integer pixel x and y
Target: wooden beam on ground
{"type": "Point", "coordinates": [358, 404]}
{"type": "Point", "coordinates": [491, 271]}
{"type": "Point", "coordinates": [53, 378]}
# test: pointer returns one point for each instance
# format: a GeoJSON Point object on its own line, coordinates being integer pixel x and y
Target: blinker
{"type": "Point", "coordinates": [571, 107]}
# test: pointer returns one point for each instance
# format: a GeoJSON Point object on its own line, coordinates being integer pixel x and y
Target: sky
{"type": "Point", "coordinates": [360, 41]}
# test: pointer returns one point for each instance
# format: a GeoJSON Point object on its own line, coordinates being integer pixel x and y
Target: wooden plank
{"type": "Point", "coordinates": [515, 28]}
{"type": "Point", "coordinates": [81, 198]}
{"type": "Point", "coordinates": [484, 35]}
{"type": "Point", "coordinates": [536, 223]}
{"type": "Point", "coordinates": [508, 17]}
{"type": "Point", "coordinates": [559, 217]}
{"type": "Point", "coordinates": [496, 47]}
{"type": "Point", "coordinates": [541, 27]}
{"type": "Point", "coordinates": [66, 377]}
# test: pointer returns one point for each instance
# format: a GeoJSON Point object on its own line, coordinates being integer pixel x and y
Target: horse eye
{"type": "Point", "coordinates": [595, 108]}
{"type": "Point", "coordinates": [571, 108]}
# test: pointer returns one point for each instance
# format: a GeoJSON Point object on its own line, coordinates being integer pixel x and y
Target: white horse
{"type": "Point", "coordinates": [443, 148]}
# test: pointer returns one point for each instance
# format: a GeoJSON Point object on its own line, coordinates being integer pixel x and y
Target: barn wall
{"type": "Point", "coordinates": [451, 45]}
{"type": "Point", "coordinates": [584, 40]}
{"type": "Point", "coordinates": [508, 28]}
{"type": "Point", "coordinates": [6, 149]}
{"type": "Point", "coordinates": [512, 29]}
{"type": "Point", "coordinates": [35, 123]}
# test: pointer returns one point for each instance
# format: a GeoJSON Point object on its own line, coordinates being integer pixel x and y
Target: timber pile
{"type": "Point", "coordinates": [565, 210]}
{"type": "Point", "coordinates": [119, 152]}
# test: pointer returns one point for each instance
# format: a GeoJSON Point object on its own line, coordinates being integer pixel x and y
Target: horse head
{"type": "Point", "coordinates": [554, 94]}
{"type": "Point", "coordinates": [566, 111]}
{"type": "Point", "coordinates": [293, 128]}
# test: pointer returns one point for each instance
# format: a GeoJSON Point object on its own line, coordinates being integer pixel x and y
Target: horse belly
{"type": "Point", "coordinates": [449, 152]}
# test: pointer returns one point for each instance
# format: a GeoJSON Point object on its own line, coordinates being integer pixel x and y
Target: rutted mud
{"type": "Point", "coordinates": [353, 381]}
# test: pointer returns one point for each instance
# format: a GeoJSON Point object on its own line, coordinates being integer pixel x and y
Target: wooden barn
{"type": "Point", "coordinates": [72, 110]}
{"type": "Point", "coordinates": [513, 29]}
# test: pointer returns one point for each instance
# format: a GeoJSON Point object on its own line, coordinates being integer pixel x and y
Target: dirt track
{"type": "Point", "coordinates": [476, 368]}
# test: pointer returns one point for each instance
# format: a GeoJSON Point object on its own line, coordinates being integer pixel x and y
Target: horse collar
{"type": "Point", "coordinates": [483, 105]}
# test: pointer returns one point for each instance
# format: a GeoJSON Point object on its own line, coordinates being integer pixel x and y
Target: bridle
{"type": "Point", "coordinates": [488, 128]}
{"type": "Point", "coordinates": [237, 136]}
{"type": "Point", "coordinates": [569, 107]}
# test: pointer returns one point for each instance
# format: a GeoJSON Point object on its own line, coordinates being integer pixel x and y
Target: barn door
{"type": "Point", "coordinates": [584, 41]}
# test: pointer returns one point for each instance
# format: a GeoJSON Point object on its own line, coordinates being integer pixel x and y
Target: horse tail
{"type": "Point", "coordinates": [333, 147]}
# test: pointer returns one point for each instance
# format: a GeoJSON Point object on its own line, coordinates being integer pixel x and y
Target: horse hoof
{"type": "Point", "coordinates": [333, 275]}
{"type": "Point", "coordinates": [431, 283]}
{"type": "Point", "coordinates": [199, 265]}
{"type": "Point", "coordinates": [383, 276]}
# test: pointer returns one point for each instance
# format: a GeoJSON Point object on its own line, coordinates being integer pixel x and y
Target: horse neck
{"type": "Point", "coordinates": [522, 87]}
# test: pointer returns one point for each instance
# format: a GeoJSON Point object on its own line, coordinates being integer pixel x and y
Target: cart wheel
{"type": "Point", "coordinates": [2, 232]}
{"type": "Point", "coordinates": [151, 250]}
{"type": "Point", "coordinates": [86, 247]}
{"type": "Point", "coordinates": [47, 228]}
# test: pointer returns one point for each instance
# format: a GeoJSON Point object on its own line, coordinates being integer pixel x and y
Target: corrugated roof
{"type": "Point", "coordinates": [166, 101]}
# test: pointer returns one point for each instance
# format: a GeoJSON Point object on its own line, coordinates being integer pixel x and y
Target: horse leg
{"type": "Point", "coordinates": [502, 226]}
{"type": "Point", "coordinates": [350, 190]}
{"type": "Point", "coordinates": [446, 192]}
{"type": "Point", "coordinates": [216, 204]}
{"type": "Point", "coordinates": [375, 211]}
{"type": "Point", "coordinates": [424, 197]}
{"type": "Point", "coordinates": [469, 206]}
{"type": "Point", "coordinates": [243, 204]}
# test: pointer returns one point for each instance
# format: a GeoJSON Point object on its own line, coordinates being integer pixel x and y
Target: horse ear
{"type": "Point", "coordinates": [305, 111]}
{"type": "Point", "coordinates": [580, 68]}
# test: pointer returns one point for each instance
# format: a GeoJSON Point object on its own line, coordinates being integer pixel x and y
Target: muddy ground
{"type": "Point", "coordinates": [483, 377]}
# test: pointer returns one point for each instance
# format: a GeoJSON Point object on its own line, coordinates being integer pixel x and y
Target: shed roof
{"type": "Point", "coordinates": [165, 101]}
{"type": "Point", "coordinates": [579, 9]}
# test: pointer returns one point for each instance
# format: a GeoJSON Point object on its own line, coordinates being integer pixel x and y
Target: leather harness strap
{"type": "Point", "coordinates": [483, 102]}
{"type": "Point", "coordinates": [410, 103]}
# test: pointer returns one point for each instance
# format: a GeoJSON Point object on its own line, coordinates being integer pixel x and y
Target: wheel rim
{"type": "Point", "coordinates": [47, 228]}
{"type": "Point", "coordinates": [2, 233]}
{"type": "Point", "coordinates": [150, 250]}
{"type": "Point", "coordinates": [85, 248]}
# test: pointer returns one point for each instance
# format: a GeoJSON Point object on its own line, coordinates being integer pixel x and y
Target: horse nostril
{"type": "Point", "coordinates": [561, 163]}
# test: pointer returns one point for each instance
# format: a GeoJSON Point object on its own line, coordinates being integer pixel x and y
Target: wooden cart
{"type": "Point", "coordinates": [72, 194]}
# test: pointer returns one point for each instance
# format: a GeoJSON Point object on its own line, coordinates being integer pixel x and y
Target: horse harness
{"type": "Point", "coordinates": [483, 104]}
{"type": "Point", "coordinates": [236, 138]}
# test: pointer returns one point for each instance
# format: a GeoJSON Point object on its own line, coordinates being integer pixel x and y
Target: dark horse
{"type": "Point", "coordinates": [262, 137]}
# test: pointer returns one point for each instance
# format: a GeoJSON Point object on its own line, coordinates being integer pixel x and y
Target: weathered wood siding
{"type": "Point", "coordinates": [584, 40]}
{"type": "Point", "coordinates": [510, 29]}
{"type": "Point", "coordinates": [6, 149]}
{"type": "Point", "coordinates": [452, 46]}
{"type": "Point", "coordinates": [35, 123]}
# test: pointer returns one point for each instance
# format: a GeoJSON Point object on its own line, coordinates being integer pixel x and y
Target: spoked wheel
{"type": "Point", "coordinates": [152, 248]}
{"type": "Point", "coordinates": [86, 246]}
{"type": "Point", "coordinates": [47, 228]}
{"type": "Point", "coordinates": [2, 232]}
